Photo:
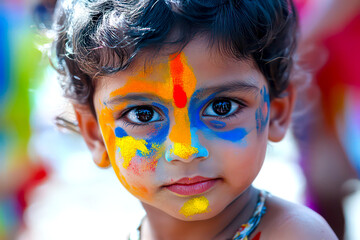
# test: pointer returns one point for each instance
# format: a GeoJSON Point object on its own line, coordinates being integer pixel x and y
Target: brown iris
{"type": "Point", "coordinates": [221, 106]}
{"type": "Point", "coordinates": [144, 114]}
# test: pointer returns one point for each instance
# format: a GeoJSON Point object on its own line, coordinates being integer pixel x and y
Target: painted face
{"type": "Point", "coordinates": [187, 133]}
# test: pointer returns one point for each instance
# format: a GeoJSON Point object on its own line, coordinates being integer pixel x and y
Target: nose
{"type": "Point", "coordinates": [186, 152]}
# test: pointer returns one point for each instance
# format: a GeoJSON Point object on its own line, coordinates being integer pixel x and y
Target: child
{"type": "Point", "coordinates": [180, 98]}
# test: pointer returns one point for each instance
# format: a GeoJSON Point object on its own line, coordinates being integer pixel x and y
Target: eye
{"type": "Point", "coordinates": [221, 107]}
{"type": "Point", "coordinates": [143, 115]}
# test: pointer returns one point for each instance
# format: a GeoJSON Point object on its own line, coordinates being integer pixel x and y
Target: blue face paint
{"type": "Point", "coordinates": [201, 150]}
{"type": "Point", "coordinates": [158, 136]}
{"type": "Point", "coordinates": [263, 112]}
{"type": "Point", "coordinates": [162, 130]}
{"type": "Point", "coordinates": [119, 132]}
{"type": "Point", "coordinates": [154, 139]}
{"type": "Point", "coordinates": [234, 135]}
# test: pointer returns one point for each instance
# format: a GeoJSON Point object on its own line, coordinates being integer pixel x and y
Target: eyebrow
{"type": "Point", "coordinates": [228, 87]}
{"type": "Point", "coordinates": [133, 97]}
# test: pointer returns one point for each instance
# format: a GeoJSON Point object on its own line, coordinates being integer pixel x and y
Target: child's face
{"type": "Point", "coordinates": [196, 117]}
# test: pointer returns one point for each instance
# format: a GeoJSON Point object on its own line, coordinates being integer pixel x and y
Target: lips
{"type": "Point", "coordinates": [192, 186]}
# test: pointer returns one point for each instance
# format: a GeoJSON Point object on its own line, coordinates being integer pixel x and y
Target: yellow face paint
{"type": "Point", "coordinates": [128, 147]}
{"type": "Point", "coordinates": [107, 126]}
{"type": "Point", "coordinates": [174, 82]}
{"type": "Point", "coordinates": [175, 75]}
{"type": "Point", "coordinates": [195, 206]}
{"type": "Point", "coordinates": [183, 151]}
{"type": "Point", "coordinates": [184, 83]}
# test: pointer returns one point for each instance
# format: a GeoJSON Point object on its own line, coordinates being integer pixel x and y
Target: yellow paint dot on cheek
{"type": "Point", "coordinates": [195, 206]}
{"type": "Point", "coordinates": [128, 148]}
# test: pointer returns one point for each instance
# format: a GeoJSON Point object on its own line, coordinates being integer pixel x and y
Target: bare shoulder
{"type": "Point", "coordinates": [290, 221]}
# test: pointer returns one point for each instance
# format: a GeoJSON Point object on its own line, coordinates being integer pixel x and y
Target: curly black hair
{"type": "Point", "coordinates": [95, 38]}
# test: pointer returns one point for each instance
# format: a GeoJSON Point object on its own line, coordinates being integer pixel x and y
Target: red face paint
{"type": "Point", "coordinates": [180, 98]}
{"type": "Point", "coordinates": [177, 74]}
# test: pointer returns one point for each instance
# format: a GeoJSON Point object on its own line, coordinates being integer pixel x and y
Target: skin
{"type": "Point", "coordinates": [207, 160]}
{"type": "Point", "coordinates": [186, 139]}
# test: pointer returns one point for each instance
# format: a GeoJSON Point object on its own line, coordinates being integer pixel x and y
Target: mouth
{"type": "Point", "coordinates": [192, 186]}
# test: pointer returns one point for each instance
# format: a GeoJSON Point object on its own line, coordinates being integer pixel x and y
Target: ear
{"type": "Point", "coordinates": [90, 131]}
{"type": "Point", "coordinates": [280, 114]}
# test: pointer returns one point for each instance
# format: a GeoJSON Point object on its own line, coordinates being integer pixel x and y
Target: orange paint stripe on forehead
{"type": "Point", "coordinates": [160, 80]}
{"type": "Point", "coordinates": [184, 83]}
{"type": "Point", "coordinates": [177, 75]}
{"type": "Point", "coordinates": [183, 77]}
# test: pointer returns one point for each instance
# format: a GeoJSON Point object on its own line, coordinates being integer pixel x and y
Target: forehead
{"type": "Point", "coordinates": [205, 66]}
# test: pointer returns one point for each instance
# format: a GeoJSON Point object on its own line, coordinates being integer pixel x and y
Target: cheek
{"type": "Point", "coordinates": [110, 141]}
{"type": "Point", "coordinates": [130, 157]}
{"type": "Point", "coordinates": [240, 162]}
{"type": "Point", "coordinates": [146, 161]}
{"type": "Point", "coordinates": [144, 164]}
{"type": "Point", "coordinates": [139, 155]}
{"type": "Point", "coordinates": [133, 159]}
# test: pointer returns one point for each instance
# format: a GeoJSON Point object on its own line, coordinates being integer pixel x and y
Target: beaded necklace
{"type": "Point", "coordinates": [245, 230]}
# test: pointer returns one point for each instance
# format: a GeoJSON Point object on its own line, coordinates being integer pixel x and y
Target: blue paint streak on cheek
{"type": "Point", "coordinates": [234, 135]}
{"type": "Point", "coordinates": [119, 132]}
{"type": "Point", "coordinates": [261, 118]}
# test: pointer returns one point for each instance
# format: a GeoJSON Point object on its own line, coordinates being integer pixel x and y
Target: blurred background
{"type": "Point", "coordinates": [51, 189]}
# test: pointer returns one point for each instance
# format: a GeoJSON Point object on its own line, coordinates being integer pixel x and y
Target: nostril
{"type": "Point", "coordinates": [203, 153]}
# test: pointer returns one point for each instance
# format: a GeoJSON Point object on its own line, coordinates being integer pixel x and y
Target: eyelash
{"type": "Point", "coordinates": [241, 106]}
{"type": "Point", "coordinates": [133, 124]}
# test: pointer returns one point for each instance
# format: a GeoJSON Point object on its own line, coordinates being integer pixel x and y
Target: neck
{"type": "Point", "coordinates": [222, 226]}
